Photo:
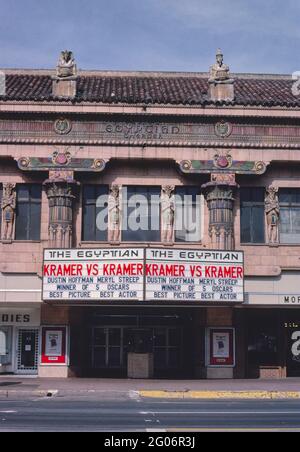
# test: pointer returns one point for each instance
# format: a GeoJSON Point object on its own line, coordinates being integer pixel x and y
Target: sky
{"type": "Point", "coordinates": [152, 35]}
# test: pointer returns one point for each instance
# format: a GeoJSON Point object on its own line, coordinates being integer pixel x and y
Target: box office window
{"type": "Point", "coordinates": [95, 213]}
{"type": "Point", "coordinates": [252, 215]}
{"type": "Point", "coordinates": [141, 214]}
{"type": "Point", "coordinates": [28, 218]}
{"type": "Point", "coordinates": [188, 214]}
{"type": "Point", "coordinates": [289, 200]}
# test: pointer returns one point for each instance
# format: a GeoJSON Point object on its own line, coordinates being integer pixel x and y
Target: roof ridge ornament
{"type": "Point", "coordinates": [219, 72]}
{"type": "Point", "coordinates": [65, 81]}
{"type": "Point", "coordinates": [66, 66]}
{"type": "Point", "coordinates": [221, 85]}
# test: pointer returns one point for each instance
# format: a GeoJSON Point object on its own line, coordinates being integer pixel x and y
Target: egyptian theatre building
{"type": "Point", "coordinates": [150, 223]}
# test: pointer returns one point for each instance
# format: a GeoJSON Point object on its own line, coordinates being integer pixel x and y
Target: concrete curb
{"type": "Point", "coordinates": [221, 395]}
{"type": "Point", "coordinates": [155, 394]}
{"type": "Point", "coordinates": [19, 393]}
{"type": "Point", "coordinates": [52, 393]}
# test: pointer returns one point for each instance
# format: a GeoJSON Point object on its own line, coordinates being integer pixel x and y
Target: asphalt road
{"type": "Point", "coordinates": [136, 415]}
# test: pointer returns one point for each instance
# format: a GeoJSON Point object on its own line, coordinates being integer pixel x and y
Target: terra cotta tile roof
{"type": "Point", "coordinates": [152, 88]}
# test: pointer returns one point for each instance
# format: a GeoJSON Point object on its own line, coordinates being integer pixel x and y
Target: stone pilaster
{"type": "Point", "coordinates": [61, 192]}
{"type": "Point", "coordinates": [220, 197]}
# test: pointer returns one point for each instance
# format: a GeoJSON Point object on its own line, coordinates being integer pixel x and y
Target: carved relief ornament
{"type": "Point", "coordinates": [168, 213]}
{"type": "Point", "coordinates": [8, 207]}
{"type": "Point", "coordinates": [272, 209]}
{"type": "Point", "coordinates": [114, 214]}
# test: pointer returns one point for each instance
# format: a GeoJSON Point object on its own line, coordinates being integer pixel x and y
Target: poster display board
{"type": "Point", "coordinates": [54, 346]}
{"type": "Point", "coordinates": [139, 274]}
{"type": "Point", "coordinates": [221, 347]}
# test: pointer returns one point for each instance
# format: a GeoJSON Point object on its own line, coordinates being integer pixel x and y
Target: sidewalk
{"type": "Point", "coordinates": [13, 386]}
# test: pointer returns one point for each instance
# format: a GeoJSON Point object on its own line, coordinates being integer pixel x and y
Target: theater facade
{"type": "Point", "coordinates": [150, 223]}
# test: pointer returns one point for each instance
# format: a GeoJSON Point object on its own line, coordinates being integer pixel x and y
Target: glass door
{"type": "Point", "coordinates": [111, 345]}
{"type": "Point", "coordinates": [5, 346]}
{"type": "Point", "coordinates": [28, 350]}
{"type": "Point", "coordinates": [167, 348]}
{"type": "Point", "coordinates": [114, 348]}
{"type": "Point", "coordinates": [107, 350]}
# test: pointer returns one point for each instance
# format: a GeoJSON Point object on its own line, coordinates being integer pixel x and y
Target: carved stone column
{"type": "Point", "coordinates": [8, 208]}
{"type": "Point", "coordinates": [220, 197]}
{"type": "Point", "coordinates": [61, 192]}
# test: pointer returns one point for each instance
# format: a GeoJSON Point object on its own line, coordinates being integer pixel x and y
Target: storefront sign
{"type": "Point", "coordinates": [137, 274]}
{"type": "Point", "coordinates": [19, 317]}
{"type": "Point", "coordinates": [54, 345]}
{"type": "Point", "coordinates": [290, 299]}
{"type": "Point", "coordinates": [221, 347]}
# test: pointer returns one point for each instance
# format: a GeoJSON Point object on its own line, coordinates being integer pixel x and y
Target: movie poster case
{"type": "Point", "coordinates": [220, 347]}
{"type": "Point", "coordinates": [54, 346]}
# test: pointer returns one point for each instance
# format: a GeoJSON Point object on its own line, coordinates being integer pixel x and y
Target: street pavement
{"type": "Point", "coordinates": [130, 414]}
{"type": "Point", "coordinates": [106, 405]}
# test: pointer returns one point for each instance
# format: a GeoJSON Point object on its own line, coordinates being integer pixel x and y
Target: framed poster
{"type": "Point", "coordinates": [221, 347]}
{"type": "Point", "coordinates": [54, 345]}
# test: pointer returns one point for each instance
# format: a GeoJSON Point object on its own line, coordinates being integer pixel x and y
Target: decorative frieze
{"type": "Point", "coordinates": [224, 163]}
{"type": "Point", "coordinates": [8, 207]}
{"type": "Point", "coordinates": [61, 160]}
{"type": "Point", "coordinates": [136, 133]}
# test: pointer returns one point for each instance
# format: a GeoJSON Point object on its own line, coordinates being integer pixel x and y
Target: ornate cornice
{"type": "Point", "coordinates": [156, 144]}
{"type": "Point", "coordinates": [167, 110]}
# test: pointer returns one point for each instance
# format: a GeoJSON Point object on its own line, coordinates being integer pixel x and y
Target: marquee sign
{"type": "Point", "coordinates": [143, 275]}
